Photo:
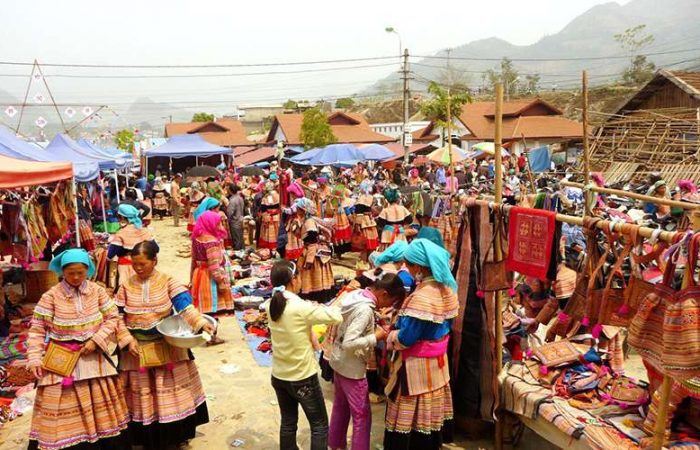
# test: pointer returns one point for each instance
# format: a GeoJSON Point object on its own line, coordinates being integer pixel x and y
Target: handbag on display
{"type": "Point", "coordinates": [493, 275]}
{"type": "Point", "coordinates": [681, 325]}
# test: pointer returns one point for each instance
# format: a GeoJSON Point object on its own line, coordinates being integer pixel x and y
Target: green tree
{"type": "Point", "coordinates": [315, 130]}
{"type": "Point", "coordinates": [344, 103]}
{"type": "Point", "coordinates": [202, 117]}
{"type": "Point", "coordinates": [290, 104]}
{"type": "Point", "coordinates": [507, 74]}
{"type": "Point", "coordinates": [125, 139]}
{"type": "Point", "coordinates": [435, 109]}
{"type": "Point", "coordinates": [532, 83]}
{"type": "Point", "coordinates": [632, 41]}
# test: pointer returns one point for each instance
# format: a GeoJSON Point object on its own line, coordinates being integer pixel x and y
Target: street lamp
{"type": "Point", "coordinates": [403, 64]}
{"type": "Point", "coordinates": [393, 30]}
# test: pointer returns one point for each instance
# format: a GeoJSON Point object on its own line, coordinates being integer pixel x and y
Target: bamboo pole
{"type": "Point", "coordinates": [586, 146]}
{"type": "Point", "coordinates": [660, 425]}
{"type": "Point", "coordinates": [645, 232]}
{"type": "Point", "coordinates": [449, 138]}
{"type": "Point", "coordinates": [634, 195]}
{"type": "Point", "coordinates": [498, 197]}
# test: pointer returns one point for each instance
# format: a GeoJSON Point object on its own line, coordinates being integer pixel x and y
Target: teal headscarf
{"type": "Point", "coordinates": [431, 234]}
{"type": "Point", "coordinates": [72, 256]}
{"type": "Point", "coordinates": [394, 253]}
{"type": "Point", "coordinates": [391, 194]}
{"type": "Point", "coordinates": [427, 254]}
{"type": "Point", "coordinates": [207, 204]}
{"type": "Point", "coordinates": [132, 214]}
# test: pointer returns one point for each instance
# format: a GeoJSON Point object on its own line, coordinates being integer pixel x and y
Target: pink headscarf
{"type": "Point", "coordinates": [209, 223]}
{"type": "Point", "coordinates": [295, 189]}
{"type": "Point", "coordinates": [413, 173]}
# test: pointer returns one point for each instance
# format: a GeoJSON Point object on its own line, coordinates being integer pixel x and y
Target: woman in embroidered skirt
{"type": "Point", "coordinates": [85, 408]}
{"type": "Point", "coordinates": [166, 402]}
{"type": "Point", "coordinates": [121, 243]}
{"type": "Point", "coordinates": [316, 271]}
{"type": "Point", "coordinates": [195, 197]}
{"type": "Point", "coordinates": [211, 285]}
{"type": "Point", "coordinates": [419, 401]}
{"type": "Point", "coordinates": [342, 231]}
{"type": "Point", "coordinates": [364, 235]}
{"type": "Point", "coordinates": [392, 219]}
{"type": "Point", "coordinates": [160, 198]}
{"type": "Point", "coordinates": [270, 218]}
{"type": "Point", "coordinates": [295, 245]}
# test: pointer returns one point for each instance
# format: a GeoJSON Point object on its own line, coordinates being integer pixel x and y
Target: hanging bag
{"type": "Point", "coordinates": [681, 325]}
{"type": "Point", "coordinates": [646, 327]}
{"type": "Point", "coordinates": [493, 275]}
{"type": "Point", "coordinates": [614, 297]}
{"type": "Point", "coordinates": [575, 308]}
{"type": "Point", "coordinates": [637, 287]}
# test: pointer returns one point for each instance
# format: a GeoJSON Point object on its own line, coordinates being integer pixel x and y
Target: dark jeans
{"type": "Point", "coordinates": [307, 393]}
{"type": "Point", "coordinates": [236, 230]}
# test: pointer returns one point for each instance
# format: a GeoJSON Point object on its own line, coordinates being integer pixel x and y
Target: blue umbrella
{"type": "Point", "coordinates": [303, 158]}
{"type": "Point", "coordinates": [334, 154]}
{"type": "Point", "coordinates": [376, 152]}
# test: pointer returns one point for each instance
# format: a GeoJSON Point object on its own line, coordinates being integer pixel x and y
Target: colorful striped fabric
{"type": "Point", "coordinates": [147, 302]}
{"type": "Point", "coordinates": [86, 411]}
{"type": "Point", "coordinates": [129, 236]}
{"type": "Point", "coordinates": [424, 413]}
{"type": "Point", "coordinates": [432, 302]}
{"type": "Point", "coordinates": [65, 313]}
{"type": "Point", "coordinates": [162, 395]}
{"type": "Point", "coordinates": [319, 274]}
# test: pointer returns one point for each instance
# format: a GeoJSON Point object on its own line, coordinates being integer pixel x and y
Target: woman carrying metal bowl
{"type": "Point", "coordinates": [161, 382]}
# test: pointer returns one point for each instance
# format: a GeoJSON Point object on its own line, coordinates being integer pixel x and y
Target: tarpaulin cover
{"type": "Point", "coordinates": [114, 161]}
{"type": "Point", "coordinates": [14, 147]}
{"type": "Point", "coordinates": [540, 159]}
{"type": "Point", "coordinates": [17, 173]}
{"type": "Point", "coordinates": [334, 154]}
{"type": "Point", "coordinates": [65, 146]}
{"type": "Point", "coordinates": [187, 145]}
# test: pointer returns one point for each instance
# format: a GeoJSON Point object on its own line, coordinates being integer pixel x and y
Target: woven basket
{"type": "Point", "coordinates": [37, 282]}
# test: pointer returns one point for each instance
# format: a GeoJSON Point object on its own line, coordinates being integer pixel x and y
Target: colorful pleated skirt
{"type": "Point", "coordinates": [205, 293]}
{"type": "Point", "coordinates": [87, 411]}
{"type": "Point", "coordinates": [269, 229]}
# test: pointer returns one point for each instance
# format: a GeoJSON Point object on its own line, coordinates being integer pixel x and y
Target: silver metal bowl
{"type": "Point", "coordinates": [179, 334]}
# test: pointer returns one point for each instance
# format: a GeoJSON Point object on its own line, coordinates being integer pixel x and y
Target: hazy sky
{"type": "Point", "coordinates": [236, 32]}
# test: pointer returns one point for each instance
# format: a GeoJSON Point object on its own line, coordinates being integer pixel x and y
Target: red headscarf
{"type": "Point", "coordinates": [209, 223]}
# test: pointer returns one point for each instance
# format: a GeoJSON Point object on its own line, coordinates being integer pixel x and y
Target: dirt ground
{"type": "Point", "coordinates": [242, 405]}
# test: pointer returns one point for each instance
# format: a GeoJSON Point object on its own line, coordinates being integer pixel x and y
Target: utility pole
{"type": "Point", "coordinates": [407, 138]}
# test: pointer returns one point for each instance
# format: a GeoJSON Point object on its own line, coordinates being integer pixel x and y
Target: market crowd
{"type": "Point", "coordinates": [385, 334]}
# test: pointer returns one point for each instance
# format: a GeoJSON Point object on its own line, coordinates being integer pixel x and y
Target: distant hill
{"type": "Point", "coordinates": [672, 22]}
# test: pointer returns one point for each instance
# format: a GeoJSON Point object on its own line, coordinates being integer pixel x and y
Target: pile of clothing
{"type": "Point", "coordinates": [572, 384]}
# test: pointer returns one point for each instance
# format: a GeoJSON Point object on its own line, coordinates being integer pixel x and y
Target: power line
{"type": "Point", "coordinates": [214, 75]}
{"type": "Point", "coordinates": [195, 66]}
{"type": "Point", "coordinates": [588, 58]}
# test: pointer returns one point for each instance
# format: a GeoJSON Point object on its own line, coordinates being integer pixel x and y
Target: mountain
{"type": "Point", "coordinates": [673, 23]}
{"type": "Point", "coordinates": [146, 110]}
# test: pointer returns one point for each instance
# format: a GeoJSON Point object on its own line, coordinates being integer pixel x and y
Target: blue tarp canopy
{"type": "Point", "coordinates": [111, 162]}
{"type": "Point", "coordinates": [540, 159]}
{"type": "Point", "coordinates": [187, 145]}
{"type": "Point", "coordinates": [65, 147]}
{"type": "Point", "coordinates": [107, 151]}
{"type": "Point", "coordinates": [376, 152]}
{"type": "Point", "coordinates": [333, 154]}
{"type": "Point", "coordinates": [84, 169]}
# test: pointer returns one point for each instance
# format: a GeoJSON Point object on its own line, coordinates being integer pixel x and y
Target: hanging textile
{"type": "Point", "coordinates": [474, 357]}
{"type": "Point", "coordinates": [531, 236]}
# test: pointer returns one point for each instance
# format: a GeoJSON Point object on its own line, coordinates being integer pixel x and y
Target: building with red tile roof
{"type": "Point", "coordinates": [534, 120]}
{"type": "Point", "coordinates": [223, 132]}
{"type": "Point", "coordinates": [348, 128]}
